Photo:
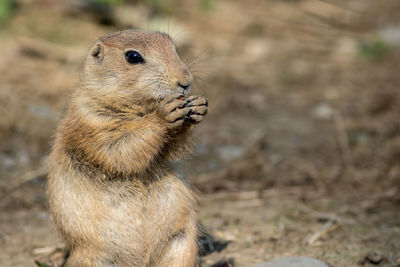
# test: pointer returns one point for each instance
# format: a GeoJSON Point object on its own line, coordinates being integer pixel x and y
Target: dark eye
{"type": "Point", "coordinates": [133, 57]}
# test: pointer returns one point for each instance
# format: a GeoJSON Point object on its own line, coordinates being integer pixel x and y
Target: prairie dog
{"type": "Point", "coordinates": [113, 193]}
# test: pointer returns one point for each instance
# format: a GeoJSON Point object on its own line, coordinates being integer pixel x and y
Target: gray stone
{"type": "Point", "coordinates": [391, 34]}
{"type": "Point", "coordinates": [292, 262]}
{"type": "Point", "coordinates": [323, 111]}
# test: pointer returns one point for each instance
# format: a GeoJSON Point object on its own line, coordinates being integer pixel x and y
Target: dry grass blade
{"type": "Point", "coordinates": [326, 228]}
{"type": "Point", "coordinates": [47, 250]}
{"type": "Point", "coordinates": [343, 143]}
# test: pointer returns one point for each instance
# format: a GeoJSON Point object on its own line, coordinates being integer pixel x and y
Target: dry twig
{"type": "Point", "coordinates": [343, 142]}
{"type": "Point", "coordinates": [326, 228]}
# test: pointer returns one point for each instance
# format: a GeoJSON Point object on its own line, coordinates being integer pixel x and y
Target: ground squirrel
{"type": "Point", "coordinates": [113, 191]}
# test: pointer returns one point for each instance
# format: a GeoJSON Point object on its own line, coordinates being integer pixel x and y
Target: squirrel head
{"type": "Point", "coordinates": [135, 64]}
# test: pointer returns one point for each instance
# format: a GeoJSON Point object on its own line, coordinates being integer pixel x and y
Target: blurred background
{"type": "Point", "coordinates": [300, 152]}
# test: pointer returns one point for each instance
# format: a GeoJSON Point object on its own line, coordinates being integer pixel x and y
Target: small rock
{"type": "Point", "coordinates": [391, 34]}
{"type": "Point", "coordinates": [7, 162]}
{"type": "Point", "coordinates": [41, 111]}
{"type": "Point", "coordinates": [292, 262]}
{"type": "Point", "coordinates": [230, 152]}
{"type": "Point", "coordinates": [323, 111]}
{"type": "Point", "coordinates": [372, 258]}
{"type": "Point", "coordinates": [345, 49]}
{"type": "Point", "coordinates": [257, 49]}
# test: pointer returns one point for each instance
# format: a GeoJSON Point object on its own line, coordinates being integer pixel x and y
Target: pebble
{"type": "Point", "coordinates": [323, 111]}
{"type": "Point", "coordinates": [391, 34]}
{"type": "Point", "coordinates": [292, 262]}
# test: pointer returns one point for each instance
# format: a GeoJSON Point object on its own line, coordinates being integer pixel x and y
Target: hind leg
{"type": "Point", "coordinates": [182, 251]}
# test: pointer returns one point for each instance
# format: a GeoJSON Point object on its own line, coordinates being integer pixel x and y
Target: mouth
{"type": "Point", "coordinates": [179, 90]}
{"type": "Point", "coordinates": [185, 88]}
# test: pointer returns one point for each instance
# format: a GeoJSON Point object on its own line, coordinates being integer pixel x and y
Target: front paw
{"type": "Point", "coordinates": [173, 110]}
{"type": "Point", "coordinates": [199, 108]}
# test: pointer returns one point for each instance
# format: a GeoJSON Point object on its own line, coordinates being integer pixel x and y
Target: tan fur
{"type": "Point", "coordinates": [113, 192]}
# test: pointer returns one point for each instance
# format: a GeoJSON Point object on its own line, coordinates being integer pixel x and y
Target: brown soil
{"type": "Point", "coordinates": [299, 155]}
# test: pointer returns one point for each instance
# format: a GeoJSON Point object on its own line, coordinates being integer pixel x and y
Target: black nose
{"type": "Point", "coordinates": [185, 87]}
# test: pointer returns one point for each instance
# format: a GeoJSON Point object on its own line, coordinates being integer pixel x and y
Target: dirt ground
{"type": "Point", "coordinates": [300, 152]}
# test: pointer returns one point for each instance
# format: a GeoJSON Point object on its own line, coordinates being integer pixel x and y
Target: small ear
{"type": "Point", "coordinates": [97, 52]}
